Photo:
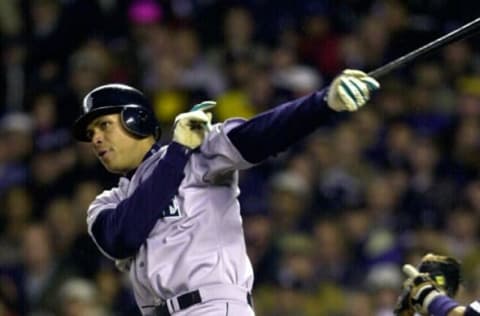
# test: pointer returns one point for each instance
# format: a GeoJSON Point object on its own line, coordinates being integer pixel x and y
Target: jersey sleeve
{"type": "Point", "coordinates": [273, 131]}
{"type": "Point", "coordinates": [107, 200]}
{"type": "Point", "coordinates": [118, 224]}
{"type": "Point", "coordinates": [239, 144]}
{"type": "Point", "coordinates": [441, 305]}
{"type": "Point", "coordinates": [219, 155]}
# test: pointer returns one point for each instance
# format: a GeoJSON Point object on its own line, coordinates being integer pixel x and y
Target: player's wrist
{"type": "Point", "coordinates": [440, 304]}
{"type": "Point", "coordinates": [177, 153]}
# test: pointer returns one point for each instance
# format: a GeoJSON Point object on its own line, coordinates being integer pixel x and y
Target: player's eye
{"type": "Point", "coordinates": [105, 125]}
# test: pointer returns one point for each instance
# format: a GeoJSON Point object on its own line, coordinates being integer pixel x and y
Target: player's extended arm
{"type": "Point", "coordinates": [427, 298]}
{"type": "Point", "coordinates": [437, 303]}
{"type": "Point", "coordinates": [273, 131]}
{"type": "Point", "coordinates": [121, 231]}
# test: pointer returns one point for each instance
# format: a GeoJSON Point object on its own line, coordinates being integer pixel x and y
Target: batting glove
{"type": "Point", "coordinates": [204, 106]}
{"type": "Point", "coordinates": [351, 90]}
{"type": "Point", "coordinates": [403, 306]}
{"type": "Point", "coordinates": [190, 128]}
{"type": "Point", "coordinates": [421, 289]}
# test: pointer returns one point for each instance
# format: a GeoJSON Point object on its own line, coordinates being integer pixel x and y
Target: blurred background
{"type": "Point", "coordinates": [328, 224]}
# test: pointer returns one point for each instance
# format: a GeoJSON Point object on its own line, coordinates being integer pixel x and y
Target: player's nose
{"type": "Point", "coordinates": [96, 137]}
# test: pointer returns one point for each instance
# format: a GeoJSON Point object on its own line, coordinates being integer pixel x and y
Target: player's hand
{"type": "Point", "coordinates": [351, 90]}
{"type": "Point", "coordinates": [403, 306]}
{"type": "Point", "coordinates": [420, 289]}
{"type": "Point", "coordinates": [205, 106]}
{"type": "Point", "coordinates": [190, 128]}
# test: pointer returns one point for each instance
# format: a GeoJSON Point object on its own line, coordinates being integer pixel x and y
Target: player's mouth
{"type": "Point", "coordinates": [102, 153]}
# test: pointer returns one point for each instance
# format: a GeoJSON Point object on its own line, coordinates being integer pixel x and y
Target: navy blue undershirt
{"type": "Point", "coordinates": [272, 132]}
{"type": "Point", "coordinates": [121, 231]}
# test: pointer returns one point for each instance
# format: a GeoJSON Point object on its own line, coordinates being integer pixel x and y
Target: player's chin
{"type": "Point", "coordinates": [111, 167]}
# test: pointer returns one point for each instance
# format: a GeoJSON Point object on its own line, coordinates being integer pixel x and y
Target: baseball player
{"type": "Point", "coordinates": [429, 290]}
{"type": "Point", "coordinates": [174, 220]}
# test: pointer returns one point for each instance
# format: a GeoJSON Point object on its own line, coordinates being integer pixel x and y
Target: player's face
{"type": "Point", "coordinates": [118, 151]}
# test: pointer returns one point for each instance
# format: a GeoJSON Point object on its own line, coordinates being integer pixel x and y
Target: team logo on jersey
{"type": "Point", "coordinates": [172, 210]}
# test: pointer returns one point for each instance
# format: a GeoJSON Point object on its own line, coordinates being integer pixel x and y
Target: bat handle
{"type": "Point", "coordinates": [385, 69]}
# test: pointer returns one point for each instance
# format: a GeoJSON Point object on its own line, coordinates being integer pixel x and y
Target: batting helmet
{"type": "Point", "coordinates": [134, 108]}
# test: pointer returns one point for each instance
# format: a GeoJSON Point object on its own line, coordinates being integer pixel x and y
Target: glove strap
{"type": "Point", "coordinates": [442, 305]}
{"type": "Point", "coordinates": [473, 309]}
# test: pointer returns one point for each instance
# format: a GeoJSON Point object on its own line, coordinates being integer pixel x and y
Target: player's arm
{"type": "Point", "coordinates": [430, 301]}
{"type": "Point", "coordinates": [430, 289]}
{"type": "Point", "coordinates": [473, 309]}
{"type": "Point", "coordinates": [273, 131]}
{"type": "Point", "coordinates": [121, 230]}
{"type": "Point", "coordinates": [459, 311]}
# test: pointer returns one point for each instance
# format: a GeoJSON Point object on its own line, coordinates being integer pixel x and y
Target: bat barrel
{"type": "Point", "coordinates": [458, 34]}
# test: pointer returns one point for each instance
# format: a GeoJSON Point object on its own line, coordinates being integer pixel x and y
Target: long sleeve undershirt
{"type": "Point", "coordinates": [273, 131]}
{"type": "Point", "coordinates": [121, 231]}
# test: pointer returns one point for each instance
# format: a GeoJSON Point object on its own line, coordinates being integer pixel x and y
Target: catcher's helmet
{"type": "Point", "coordinates": [135, 111]}
{"type": "Point", "coordinates": [445, 271]}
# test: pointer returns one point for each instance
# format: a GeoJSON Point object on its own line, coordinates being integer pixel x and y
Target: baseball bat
{"type": "Point", "coordinates": [458, 34]}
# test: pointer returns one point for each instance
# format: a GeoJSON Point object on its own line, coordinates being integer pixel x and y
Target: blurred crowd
{"type": "Point", "coordinates": [328, 224]}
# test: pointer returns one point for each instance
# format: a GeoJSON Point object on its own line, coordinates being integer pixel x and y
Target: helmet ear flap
{"type": "Point", "coordinates": [139, 121]}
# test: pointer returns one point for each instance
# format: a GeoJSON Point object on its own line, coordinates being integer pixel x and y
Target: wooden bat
{"type": "Point", "coordinates": [460, 33]}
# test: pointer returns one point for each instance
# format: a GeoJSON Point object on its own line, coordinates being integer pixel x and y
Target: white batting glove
{"type": "Point", "coordinates": [422, 290]}
{"type": "Point", "coordinates": [351, 90]}
{"type": "Point", "coordinates": [190, 128]}
{"type": "Point", "coordinates": [203, 106]}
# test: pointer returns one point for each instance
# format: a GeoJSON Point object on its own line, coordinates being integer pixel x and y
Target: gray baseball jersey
{"type": "Point", "coordinates": [200, 241]}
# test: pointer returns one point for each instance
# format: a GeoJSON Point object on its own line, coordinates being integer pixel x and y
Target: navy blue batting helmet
{"type": "Point", "coordinates": [135, 111]}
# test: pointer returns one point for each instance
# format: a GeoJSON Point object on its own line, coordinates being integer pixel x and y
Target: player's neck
{"type": "Point", "coordinates": [144, 150]}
